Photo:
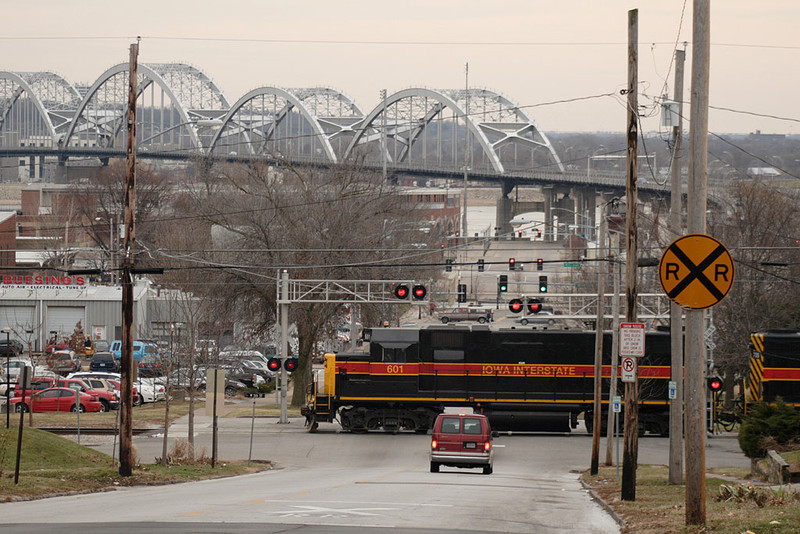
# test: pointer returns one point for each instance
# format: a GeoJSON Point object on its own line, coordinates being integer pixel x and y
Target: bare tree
{"type": "Point", "coordinates": [760, 225]}
{"type": "Point", "coordinates": [332, 224]}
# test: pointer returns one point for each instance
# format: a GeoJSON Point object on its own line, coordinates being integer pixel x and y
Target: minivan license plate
{"type": "Point", "coordinates": [470, 445]}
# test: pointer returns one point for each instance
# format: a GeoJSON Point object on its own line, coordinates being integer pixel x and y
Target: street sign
{"type": "Point", "coordinates": [572, 265]}
{"type": "Point", "coordinates": [696, 271]}
{"type": "Point", "coordinates": [631, 339]}
{"type": "Point", "coordinates": [628, 367]}
{"type": "Point", "coordinates": [616, 403]}
{"type": "Point", "coordinates": [672, 389]}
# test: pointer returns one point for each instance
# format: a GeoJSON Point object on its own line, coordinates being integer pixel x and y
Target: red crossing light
{"type": "Point", "coordinates": [290, 364]}
{"type": "Point", "coordinates": [419, 292]}
{"type": "Point", "coordinates": [515, 305]}
{"type": "Point", "coordinates": [401, 291]}
{"type": "Point", "coordinates": [274, 364]}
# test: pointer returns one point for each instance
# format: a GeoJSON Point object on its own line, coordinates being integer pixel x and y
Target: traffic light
{"type": "Point", "coordinates": [502, 284]}
{"type": "Point", "coordinates": [481, 266]}
{"type": "Point", "coordinates": [290, 364]}
{"type": "Point", "coordinates": [462, 293]}
{"type": "Point", "coordinates": [401, 291]}
{"type": "Point", "coordinates": [538, 233]}
{"type": "Point", "coordinates": [448, 265]}
{"type": "Point", "coordinates": [534, 305]}
{"type": "Point", "coordinates": [715, 384]}
{"type": "Point", "coordinates": [274, 364]}
{"type": "Point", "coordinates": [542, 284]}
{"type": "Point", "coordinates": [539, 264]}
{"type": "Point", "coordinates": [419, 292]}
{"type": "Point", "coordinates": [520, 233]}
{"type": "Point", "coordinates": [515, 305]}
{"type": "Point", "coordinates": [511, 264]}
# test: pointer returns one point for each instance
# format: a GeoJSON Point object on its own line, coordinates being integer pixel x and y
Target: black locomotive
{"type": "Point", "coordinates": [530, 380]}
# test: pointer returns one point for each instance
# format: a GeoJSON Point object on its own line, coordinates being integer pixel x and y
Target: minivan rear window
{"type": "Point", "coordinates": [472, 425]}
{"type": "Point", "coordinates": [451, 425]}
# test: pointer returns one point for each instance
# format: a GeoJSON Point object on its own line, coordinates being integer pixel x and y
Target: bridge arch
{"type": "Point", "coordinates": [300, 123]}
{"type": "Point", "coordinates": [52, 97]}
{"type": "Point", "coordinates": [493, 123]}
{"type": "Point", "coordinates": [178, 108]}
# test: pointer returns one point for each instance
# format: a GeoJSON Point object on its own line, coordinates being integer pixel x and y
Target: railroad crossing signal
{"type": "Point", "coordinates": [274, 364]}
{"type": "Point", "coordinates": [419, 292]}
{"type": "Point", "coordinates": [534, 305]}
{"type": "Point", "coordinates": [696, 271]}
{"type": "Point", "coordinates": [515, 305]}
{"type": "Point", "coordinates": [401, 291]}
{"type": "Point", "coordinates": [290, 364]}
{"type": "Point", "coordinates": [715, 384]}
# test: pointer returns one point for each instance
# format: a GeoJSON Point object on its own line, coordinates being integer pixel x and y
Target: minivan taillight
{"type": "Point", "coordinates": [487, 445]}
{"type": "Point", "coordinates": [434, 444]}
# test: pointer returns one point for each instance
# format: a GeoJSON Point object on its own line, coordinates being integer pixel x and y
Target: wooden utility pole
{"type": "Point", "coordinates": [675, 311]}
{"type": "Point", "coordinates": [598, 345]}
{"type": "Point", "coordinates": [630, 453]}
{"type": "Point", "coordinates": [696, 211]}
{"type": "Point", "coordinates": [126, 459]}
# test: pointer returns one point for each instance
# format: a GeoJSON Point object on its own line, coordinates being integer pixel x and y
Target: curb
{"type": "Point", "coordinates": [607, 507]}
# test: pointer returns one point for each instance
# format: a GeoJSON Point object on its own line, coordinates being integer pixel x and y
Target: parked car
{"type": "Point", "coordinates": [104, 361]}
{"type": "Point", "coordinates": [140, 348]}
{"type": "Point", "coordinates": [10, 370]}
{"type": "Point", "coordinates": [57, 400]}
{"type": "Point", "coordinates": [64, 362]}
{"type": "Point", "coordinates": [181, 378]}
{"type": "Point", "coordinates": [260, 368]}
{"type": "Point", "coordinates": [145, 389]}
{"type": "Point", "coordinates": [109, 400]}
{"type": "Point", "coordinates": [152, 365]}
{"type": "Point", "coordinates": [466, 313]}
{"type": "Point", "coordinates": [12, 346]}
{"type": "Point", "coordinates": [249, 377]}
{"type": "Point", "coordinates": [461, 440]}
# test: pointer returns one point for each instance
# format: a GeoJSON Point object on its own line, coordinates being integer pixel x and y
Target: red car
{"type": "Point", "coordinates": [57, 400]}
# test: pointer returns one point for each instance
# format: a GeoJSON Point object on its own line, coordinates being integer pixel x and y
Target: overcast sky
{"type": "Point", "coordinates": [534, 52]}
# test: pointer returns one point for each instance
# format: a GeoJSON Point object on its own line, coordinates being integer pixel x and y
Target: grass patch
{"type": "Point", "coordinates": [51, 465]}
{"type": "Point", "coordinates": [145, 416]}
{"type": "Point", "coordinates": [660, 507]}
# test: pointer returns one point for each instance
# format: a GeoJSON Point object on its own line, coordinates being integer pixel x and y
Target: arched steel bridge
{"type": "Point", "coordinates": [182, 112]}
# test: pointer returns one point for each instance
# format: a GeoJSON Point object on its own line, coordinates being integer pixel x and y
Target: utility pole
{"type": "Point", "coordinates": [467, 152]}
{"type": "Point", "coordinates": [696, 211]}
{"type": "Point", "coordinates": [630, 453]}
{"type": "Point", "coordinates": [616, 244]}
{"type": "Point", "coordinates": [283, 304]}
{"type": "Point", "coordinates": [598, 345]}
{"type": "Point", "coordinates": [675, 311]}
{"type": "Point", "coordinates": [126, 459]}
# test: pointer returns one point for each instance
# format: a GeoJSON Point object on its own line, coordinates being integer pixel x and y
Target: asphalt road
{"type": "Point", "coordinates": [340, 482]}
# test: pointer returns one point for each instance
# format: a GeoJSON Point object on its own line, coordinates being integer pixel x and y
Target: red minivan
{"type": "Point", "coordinates": [461, 440]}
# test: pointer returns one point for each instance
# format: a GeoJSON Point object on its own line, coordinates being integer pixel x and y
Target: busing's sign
{"type": "Point", "coordinates": [696, 271]}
